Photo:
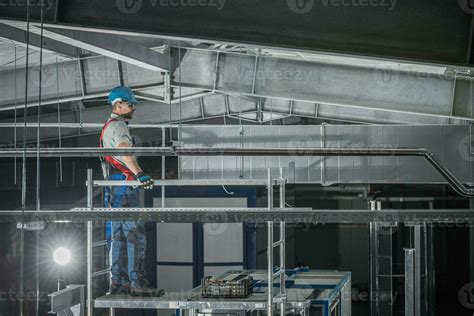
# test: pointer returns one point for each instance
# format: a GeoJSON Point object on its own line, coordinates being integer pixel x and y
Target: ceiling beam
{"type": "Point", "coordinates": [374, 92]}
{"type": "Point", "coordinates": [112, 46]}
{"type": "Point", "coordinates": [49, 45]}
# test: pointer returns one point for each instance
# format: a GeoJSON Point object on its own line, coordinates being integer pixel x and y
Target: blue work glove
{"type": "Point", "coordinates": [145, 180]}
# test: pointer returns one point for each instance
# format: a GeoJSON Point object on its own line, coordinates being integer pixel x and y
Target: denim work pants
{"type": "Point", "coordinates": [128, 245]}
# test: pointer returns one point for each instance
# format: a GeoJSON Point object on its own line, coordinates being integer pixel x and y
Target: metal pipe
{"type": "Point", "coordinates": [38, 162]}
{"type": "Point", "coordinates": [238, 215]}
{"type": "Point", "coordinates": [185, 183]}
{"type": "Point", "coordinates": [457, 185]}
{"type": "Point", "coordinates": [270, 191]}
{"type": "Point", "coordinates": [99, 243]}
{"type": "Point", "coordinates": [60, 143]}
{"type": "Point", "coordinates": [270, 268]}
{"type": "Point", "coordinates": [277, 243]}
{"type": "Point", "coordinates": [410, 282]}
{"type": "Point", "coordinates": [101, 272]}
{"type": "Point", "coordinates": [89, 268]}
{"type": "Point", "coordinates": [373, 261]}
{"type": "Point", "coordinates": [78, 125]}
{"type": "Point", "coordinates": [23, 179]}
{"type": "Point", "coordinates": [15, 117]}
{"type": "Point", "coordinates": [417, 276]}
{"type": "Point", "coordinates": [163, 167]}
{"type": "Point", "coordinates": [90, 187]}
{"type": "Point", "coordinates": [270, 246]}
{"type": "Point", "coordinates": [282, 246]}
{"type": "Point", "coordinates": [89, 244]}
{"type": "Point", "coordinates": [425, 270]}
{"type": "Point", "coordinates": [214, 151]}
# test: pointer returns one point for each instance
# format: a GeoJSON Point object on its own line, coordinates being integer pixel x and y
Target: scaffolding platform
{"type": "Point", "coordinates": [305, 289]}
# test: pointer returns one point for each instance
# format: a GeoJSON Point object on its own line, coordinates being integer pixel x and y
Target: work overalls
{"type": "Point", "coordinates": [128, 238]}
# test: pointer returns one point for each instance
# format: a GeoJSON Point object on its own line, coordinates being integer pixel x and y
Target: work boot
{"type": "Point", "coordinates": [117, 288]}
{"type": "Point", "coordinates": [143, 288]}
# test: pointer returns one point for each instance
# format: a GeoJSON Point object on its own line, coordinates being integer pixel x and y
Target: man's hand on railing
{"type": "Point", "coordinates": [145, 180]}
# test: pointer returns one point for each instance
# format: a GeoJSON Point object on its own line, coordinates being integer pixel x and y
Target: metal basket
{"type": "Point", "coordinates": [239, 287]}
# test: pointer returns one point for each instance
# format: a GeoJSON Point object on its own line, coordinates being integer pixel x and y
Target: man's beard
{"type": "Point", "coordinates": [127, 116]}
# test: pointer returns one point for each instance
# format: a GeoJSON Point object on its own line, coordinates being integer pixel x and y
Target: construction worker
{"type": "Point", "coordinates": [127, 248]}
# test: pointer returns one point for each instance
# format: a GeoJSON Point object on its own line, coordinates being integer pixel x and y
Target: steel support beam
{"type": "Point", "coordinates": [63, 300]}
{"type": "Point", "coordinates": [385, 92]}
{"type": "Point", "coordinates": [380, 92]}
{"type": "Point", "coordinates": [111, 46]}
{"type": "Point", "coordinates": [49, 45]}
{"type": "Point", "coordinates": [114, 47]}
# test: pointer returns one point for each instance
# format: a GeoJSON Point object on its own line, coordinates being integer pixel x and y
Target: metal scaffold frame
{"type": "Point", "coordinates": [272, 299]}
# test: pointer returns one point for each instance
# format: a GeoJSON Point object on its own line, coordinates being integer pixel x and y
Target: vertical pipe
{"type": "Point", "coordinates": [89, 244]}
{"type": "Point", "coordinates": [168, 89]}
{"type": "Point", "coordinates": [180, 127]}
{"type": "Point", "coordinates": [410, 302]}
{"type": "Point", "coordinates": [373, 264]}
{"type": "Point", "coordinates": [282, 246]}
{"type": "Point", "coordinates": [270, 268]}
{"type": "Point", "coordinates": [38, 164]}
{"type": "Point", "coordinates": [90, 187]}
{"type": "Point", "coordinates": [255, 68]}
{"type": "Point", "coordinates": [37, 273]}
{"type": "Point", "coordinates": [15, 119]}
{"type": "Point", "coordinates": [59, 122]}
{"type": "Point", "coordinates": [163, 166]}
{"type": "Point", "coordinates": [216, 72]}
{"type": "Point", "coordinates": [425, 269]}
{"type": "Point", "coordinates": [82, 306]}
{"type": "Point", "coordinates": [323, 159]}
{"type": "Point", "coordinates": [431, 268]}
{"type": "Point", "coordinates": [23, 176]}
{"type": "Point", "coordinates": [417, 238]}
{"type": "Point", "coordinates": [270, 247]}
{"type": "Point", "coordinates": [241, 133]}
{"type": "Point", "coordinates": [89, 268]}
{"type": "Point", "coordinates": [270, 189]}
{"type": "Point", "coordinates": [471, 242]}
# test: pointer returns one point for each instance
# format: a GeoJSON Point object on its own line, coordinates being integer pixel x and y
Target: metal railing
{"type": "Point", "coordinates": [271, 244]}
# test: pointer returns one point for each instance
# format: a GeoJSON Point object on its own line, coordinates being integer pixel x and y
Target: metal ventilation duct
{"type": "Point", "coordinates": [451, 144]}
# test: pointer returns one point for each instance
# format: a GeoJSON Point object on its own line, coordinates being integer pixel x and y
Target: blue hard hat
{"type": "Point", "coordinates": [122, 94]}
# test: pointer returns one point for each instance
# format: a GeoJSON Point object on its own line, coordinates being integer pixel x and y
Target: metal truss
{"type": "Point", "coordinates": [385, 91]}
